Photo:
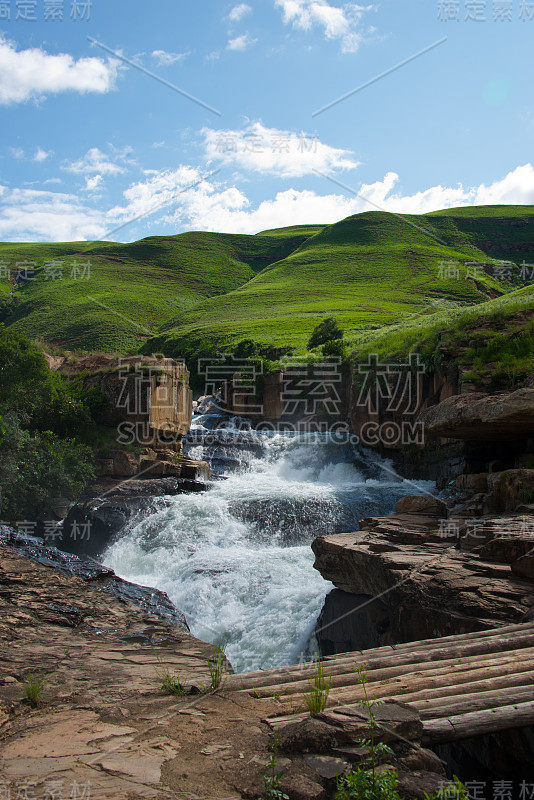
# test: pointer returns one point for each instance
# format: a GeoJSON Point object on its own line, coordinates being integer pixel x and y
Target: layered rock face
{"type": "Point", "coordinates": [413, 576]}
{"type": "Point", "coordinates": [480, 416]}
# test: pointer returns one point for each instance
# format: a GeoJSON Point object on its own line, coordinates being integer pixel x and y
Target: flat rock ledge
{"type": "Point", "coordinates": [407, 577]}
{"type": "Point", "coordinates": [505, 415]}
{"type": "Point", "coordinates": [105, 730]}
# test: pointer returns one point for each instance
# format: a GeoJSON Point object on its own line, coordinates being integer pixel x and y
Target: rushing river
{"type": "Point", "coordinates": [237, 559]}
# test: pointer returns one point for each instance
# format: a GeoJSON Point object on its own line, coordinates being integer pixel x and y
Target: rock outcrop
{"type": "Point", "coordinates": [104, 729]}
{"type": "Point", "coordinates": [480, 416]}
{"type": "Point", "coordinates": [424, 577]}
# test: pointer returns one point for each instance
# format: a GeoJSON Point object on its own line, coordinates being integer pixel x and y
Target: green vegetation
{"type": "Point", "coordinates": [320, 685]}
{"type": "Point", "coordinates": [394, 284]}
{"type": "Point", "coordinates": [368, 782]}
{"type": "Point", "coordinates": [271, 781]}
{"type": "Point", "coordinates": [41, 460]}
{"type": "Point", "coordinates": [372, 269]}
{"type": "Point", "coordinates": [169, 683]}
{"type": "Point", "coordinates": [493, 340]}
{"type": "Point", "coordinates": [216, 666]}
{"type": "Point", "coordinates": [33, 690]}
{"type": "Point", "coordinates": [113, 297]}
{"type": "Point", "coordinates": [272, 775]}
{"type": "Point", "coordinates": [325, 332]}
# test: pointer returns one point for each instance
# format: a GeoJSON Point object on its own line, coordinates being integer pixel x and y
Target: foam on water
{"type": "Point", "coordinates": [237, 559]}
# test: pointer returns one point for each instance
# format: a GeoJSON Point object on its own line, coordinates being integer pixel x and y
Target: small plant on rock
{"type": "Point", "coordinates": [320, 685]}
{"type": "Point", "coordinates": [168, 683]}
{"type": "Point", "coordinates": [272, 775]}
{"type": "Point", "coordinates": [271, 782]}
{"type": "Point", "coordinates": [367, 782]}
{"type": "Point", "coordinates": [216, 666]}
{"type": "Point", "coordinates": [33, 690]}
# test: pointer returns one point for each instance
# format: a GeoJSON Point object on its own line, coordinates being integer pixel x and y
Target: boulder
{"type": "Point", "coordinates": [428, 587]}
{"type": "Point", "coordinates": [298, 787]}
{"type": "Point", "coordinates": [327, 767]}
{"type": "Point", "coordinates": [506, 549]}
{"type": "Point", "coordinates": [524, 566]}
{"type": "Point", "coordinates": [421, 785]}
{"type": "Point", "coordinates": [126, 464]}
{"type": "Point", "coordinates": [421, 504]}
{"type": "Point", "coordinates": [396, 721]}
{"type": "Point", "coordinates": [307, 736]}
{"type": "Point", "coordinates": [507, 415]}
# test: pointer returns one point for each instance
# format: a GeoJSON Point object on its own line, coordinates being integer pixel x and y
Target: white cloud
{"type": "Point", "coordinates": [274, 152]}
{"type": "Point", "coordinates": [516, 188]}
{"type": "Point", "coordinates": [238, 12]}
{"type": "Point", "coordinates": [337, 23]}
{"type": "Point", "coordinates": [92, 183]}
{"type": "Point", "coordinates": [180, 199]}
{"type": "Point", "coordinates": [229, 210]}
{"type": "Point", "coordinates": [165, 59]}
{"type": "Point", "coordinates": [94, 161]}
{"type": "Point", "coordinates": [33, 73]}
{"type": "Point", "coordinates": [241, 43]}
{"type": "Point", "coordinates": [28, 215]}
{"type": "Point", "coordinates": [41, 155]}
{"type": "Point", "coordinates": [17, 152]}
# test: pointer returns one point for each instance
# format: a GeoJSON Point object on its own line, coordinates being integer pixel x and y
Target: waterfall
{"type": "Point", "coordinates": [237, 558]}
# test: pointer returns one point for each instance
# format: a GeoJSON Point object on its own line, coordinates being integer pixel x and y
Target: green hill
{"type": "Point", "coordinates": [197, 292]}
{"type": "Point", "coordinates": [372, 269]}
{"type": "Point", "coordinates": [107, 296]}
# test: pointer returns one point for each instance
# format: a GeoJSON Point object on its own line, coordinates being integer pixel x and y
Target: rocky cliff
{"type": "Point", "coordinates": [412, 576]}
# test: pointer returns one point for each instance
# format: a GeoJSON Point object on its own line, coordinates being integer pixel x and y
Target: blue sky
{"type": "Point", "coordinates": [90, 142]}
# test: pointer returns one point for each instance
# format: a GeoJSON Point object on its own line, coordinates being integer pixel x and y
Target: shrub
{"type": "Point", "coordinates": [336, 348]}
{"type": "Point", "coordinates": [326, 331]}
{"type": "Point", "coordinates": [36, 468]}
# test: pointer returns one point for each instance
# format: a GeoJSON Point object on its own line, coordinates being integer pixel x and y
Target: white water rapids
{"type": "Point", "coordinates": [237, 559]}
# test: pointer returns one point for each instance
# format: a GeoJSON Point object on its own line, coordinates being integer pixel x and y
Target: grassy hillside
{"type": "Point", "coordinates": [372, 269]}
{"type": "Point", "coordinates": [492, 343]}
{"type": "Point", "coordinates": [196, 292]}
{"type": "Point", "coordinates": [119, 295]}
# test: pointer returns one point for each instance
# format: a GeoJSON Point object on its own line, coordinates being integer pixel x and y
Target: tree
{"type": "Point", "coordinates": [326, 331]}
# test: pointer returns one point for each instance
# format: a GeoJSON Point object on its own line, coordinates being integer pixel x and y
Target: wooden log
{"type": "Point", "coordinates": [519, 670]}
{"type": "Point", "coordinates": [403, 672]}
{"type": "Point", "coordinates": [454, 704]}
{"type": "Point", "coordinates": [440, 641]}
{"type": "Point", "coordinates": [477, 723]}
{"type": "Point", "coordinates": [502, 681]}
{"type": "Point", "coordinates": [385, 650]}
{"type": "Point", "coordinates": [514, 641]}
{"type": "Point", "coordinates": [443, 676]}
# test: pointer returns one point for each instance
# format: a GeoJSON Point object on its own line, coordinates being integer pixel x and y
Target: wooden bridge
{"type": "Point", "coordinates": [462, 686]}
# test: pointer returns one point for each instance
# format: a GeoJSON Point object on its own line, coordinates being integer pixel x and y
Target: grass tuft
{"type": "Point", "coordinates": [216, 666]}
{"type": "Point", "coordinates": [33, 690]}
{"type": "Point", "coordinates": [320, 685]}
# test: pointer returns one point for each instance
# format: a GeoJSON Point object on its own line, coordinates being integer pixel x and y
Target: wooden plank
{"type": "Point", "coordinates": [478, 723]}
